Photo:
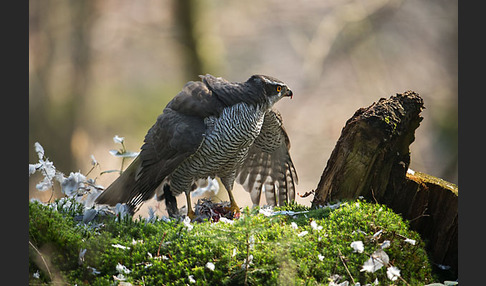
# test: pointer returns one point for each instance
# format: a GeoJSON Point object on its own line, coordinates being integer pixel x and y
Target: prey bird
{"type": "Point", "coordinates": [213, 128]}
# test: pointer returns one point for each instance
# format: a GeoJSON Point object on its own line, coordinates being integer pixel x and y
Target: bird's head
{"type": "Point", "coordinates": [271, 88]}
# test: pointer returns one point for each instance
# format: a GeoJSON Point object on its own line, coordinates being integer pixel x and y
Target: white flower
{"type": "Point", "coordinates": [82, 252]}
{"type": "Point", "coordinates": [89, 199]}
{"type": "Point", "coordinates": [44, 185]}
{"type": "Point", "coordinates": [357, 246]}
{"type": "Point", "coordinates": [294, 225]}
{"type": "Point", "coordinates": [93, 161]}
{"type": "Point", "coordinates": [32, 200]}
{"type": "Point", "coordinates": [187, 223]}
{"type": "Point", "coordinates": [151, 215]}
{"type": "Point", "coordinates": [371, 265]}
{"type": "Point", "coordinates": [121, 210]}
{"type": "Point", "coordinates": [36, 275]}
{"type": "Point", "coordinates": [225, 220]}
{"type": "Point", "coordinates": [210, 266]}
{"type": "Point", "coordinates": [165, 218]}
{"type": "Point", "coordinates": [122, 269]}
{"type": "Point", "coordinates": [137, 241]}
{"type": "Point", "coordinates": [247, 264]}
{"type": "Point", "coordinates": [392, 273]}
{"type": "Point", "coordinates": [119, 277]}
{"type": "Point", "coordinates": [332, 207]}
{"type": "Point", "coordinates": [345, 283]}
{"type": "Point", "coordinates": [191, 279]}
{"type": "Point", "coordinates": [411, 241]}
{"type": "Point", "coordinates": [234, 252]}
{"type": "Point", "coordinates": [266, 211]}
{"type": "Point", "coordinates": [93, 270]}
{"type": "Point", "coordinates": [302, 233]}
{"type": "Point", "coordinates": [49, 172]}
{"type": "Point", "coordinates": [315, 226]}
{"type": "Point", "coordinates": [358, 231]}
{"type": "Point", "coordinates": [73, 183]}
{"type": "Point", "coordinates": [33, 168]}
{"type": "Point", "coordinates": [118, 139]}
{"type": "Point", "coordinates": [290, 213]}
{"type": "Point", "coordinates": [120, 246]}
{"type": "Point", "coordinates": [385, 244]}
{"type": "Point", "coordinates": [321, 257]}
{"type": "Point", "coordinates": [377, 233]}
{"type": "Point", "coordinates": [376, 261]}
{"type": "Point", "coordinates": [39, 150]}
{"type": "Point", "coordinates": [251, 241]}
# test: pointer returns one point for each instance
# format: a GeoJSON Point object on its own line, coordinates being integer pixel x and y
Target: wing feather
{"type": "Point", "coordinates": [268, 165]}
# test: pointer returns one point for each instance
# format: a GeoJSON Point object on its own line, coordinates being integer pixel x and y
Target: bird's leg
{"type": "Point", "coordinates": [190, 212]}
{"type": "Point", "coordinates": [228, 184]}
{"type": "Point", "coordinates": [170, 201]}
{"type": "Point", "coordinates": [234, 207]}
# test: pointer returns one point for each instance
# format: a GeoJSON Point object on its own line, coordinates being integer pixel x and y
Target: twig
{"type": "Point", "coordinates": [373, 195]}
{"type": "Point", "coordinates": [42, 257]}
{"type": "Point", "coordinates": [160, 245]}
{"type": "Point", "coordinates": [423, 214]}
{"type": "Point", "coordinates": [403, 280]}
{"type": "Point", "coordinates": [344, 263]}
{"type": "Point", "coordinates": [247, 257]}
{"type": "Point", "coordinates": [121, 167]}
{"type": "Point", "coordinates": [92, 168]}
{"type": "Point", "coordinates": [52, 194]}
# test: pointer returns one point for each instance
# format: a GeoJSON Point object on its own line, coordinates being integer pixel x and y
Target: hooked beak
{"type": "Point", "coordinates": [289, 93]}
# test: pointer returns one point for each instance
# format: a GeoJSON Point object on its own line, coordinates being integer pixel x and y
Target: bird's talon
{"type": "Point", "coordinates": [191, 214]}
{"type": "Point", "coordinates": [235, 210]}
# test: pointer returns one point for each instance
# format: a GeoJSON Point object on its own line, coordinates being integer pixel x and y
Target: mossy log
{"type": "Point", "coordinates": [371, 159]}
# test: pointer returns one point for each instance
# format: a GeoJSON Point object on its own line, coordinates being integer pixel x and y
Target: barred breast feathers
{"type": "Point", "coordinates": [224, 146]}
{"type": "Point", "coordinates": [268, 166]}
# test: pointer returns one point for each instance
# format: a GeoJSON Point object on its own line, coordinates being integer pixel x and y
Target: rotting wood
{"type": "Point", "coordinates": [371, 159]}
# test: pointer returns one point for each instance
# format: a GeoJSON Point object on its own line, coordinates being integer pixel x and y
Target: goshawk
{"type": "Point", "coordinates": [211, 128]}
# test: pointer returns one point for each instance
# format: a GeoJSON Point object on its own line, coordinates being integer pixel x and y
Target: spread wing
{"type": "Point", "coordinates": [268, 165]}
{"type": "Point", "coordinates": [176, 135]}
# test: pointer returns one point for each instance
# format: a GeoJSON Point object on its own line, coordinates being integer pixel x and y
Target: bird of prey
{"type": "Point", "coordinates": [211, 128]}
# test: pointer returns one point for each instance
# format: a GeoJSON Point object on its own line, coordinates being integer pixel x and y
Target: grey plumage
{"type": "Point", "coordinates": [268, 164]}
{"type": "Point", "coordinates": [214, 128]}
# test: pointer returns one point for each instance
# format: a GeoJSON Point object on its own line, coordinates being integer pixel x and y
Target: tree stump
{"type": "Point", "coordinates": [371, 159]}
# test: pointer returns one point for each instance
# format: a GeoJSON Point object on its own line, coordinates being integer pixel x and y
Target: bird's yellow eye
{"type": "Point", "coordinates": [279, 88]}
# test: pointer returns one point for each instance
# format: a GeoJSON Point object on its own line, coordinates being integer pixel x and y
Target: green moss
{"type": "Point", "coordinates": [423, 178]}
{"type": "Point", "coordinates": [168, 253]}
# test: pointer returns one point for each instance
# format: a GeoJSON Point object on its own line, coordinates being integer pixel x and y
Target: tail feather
{"type": "Point", "coordinates": [122, 190]}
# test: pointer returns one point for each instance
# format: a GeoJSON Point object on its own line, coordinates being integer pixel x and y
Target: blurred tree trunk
{"type": "Point", "coordinates": [41, 50]}
{"type": "Point", "coordinates": [54, 114]}
{"type": "Point", "coordinates": [59, 39]}
{"type": "Point", "coordinates": [202, 49]}
{"type": "Point", "coordinates": [82, 15]}
{"type": "Point", "coordinates": [186, 14]}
